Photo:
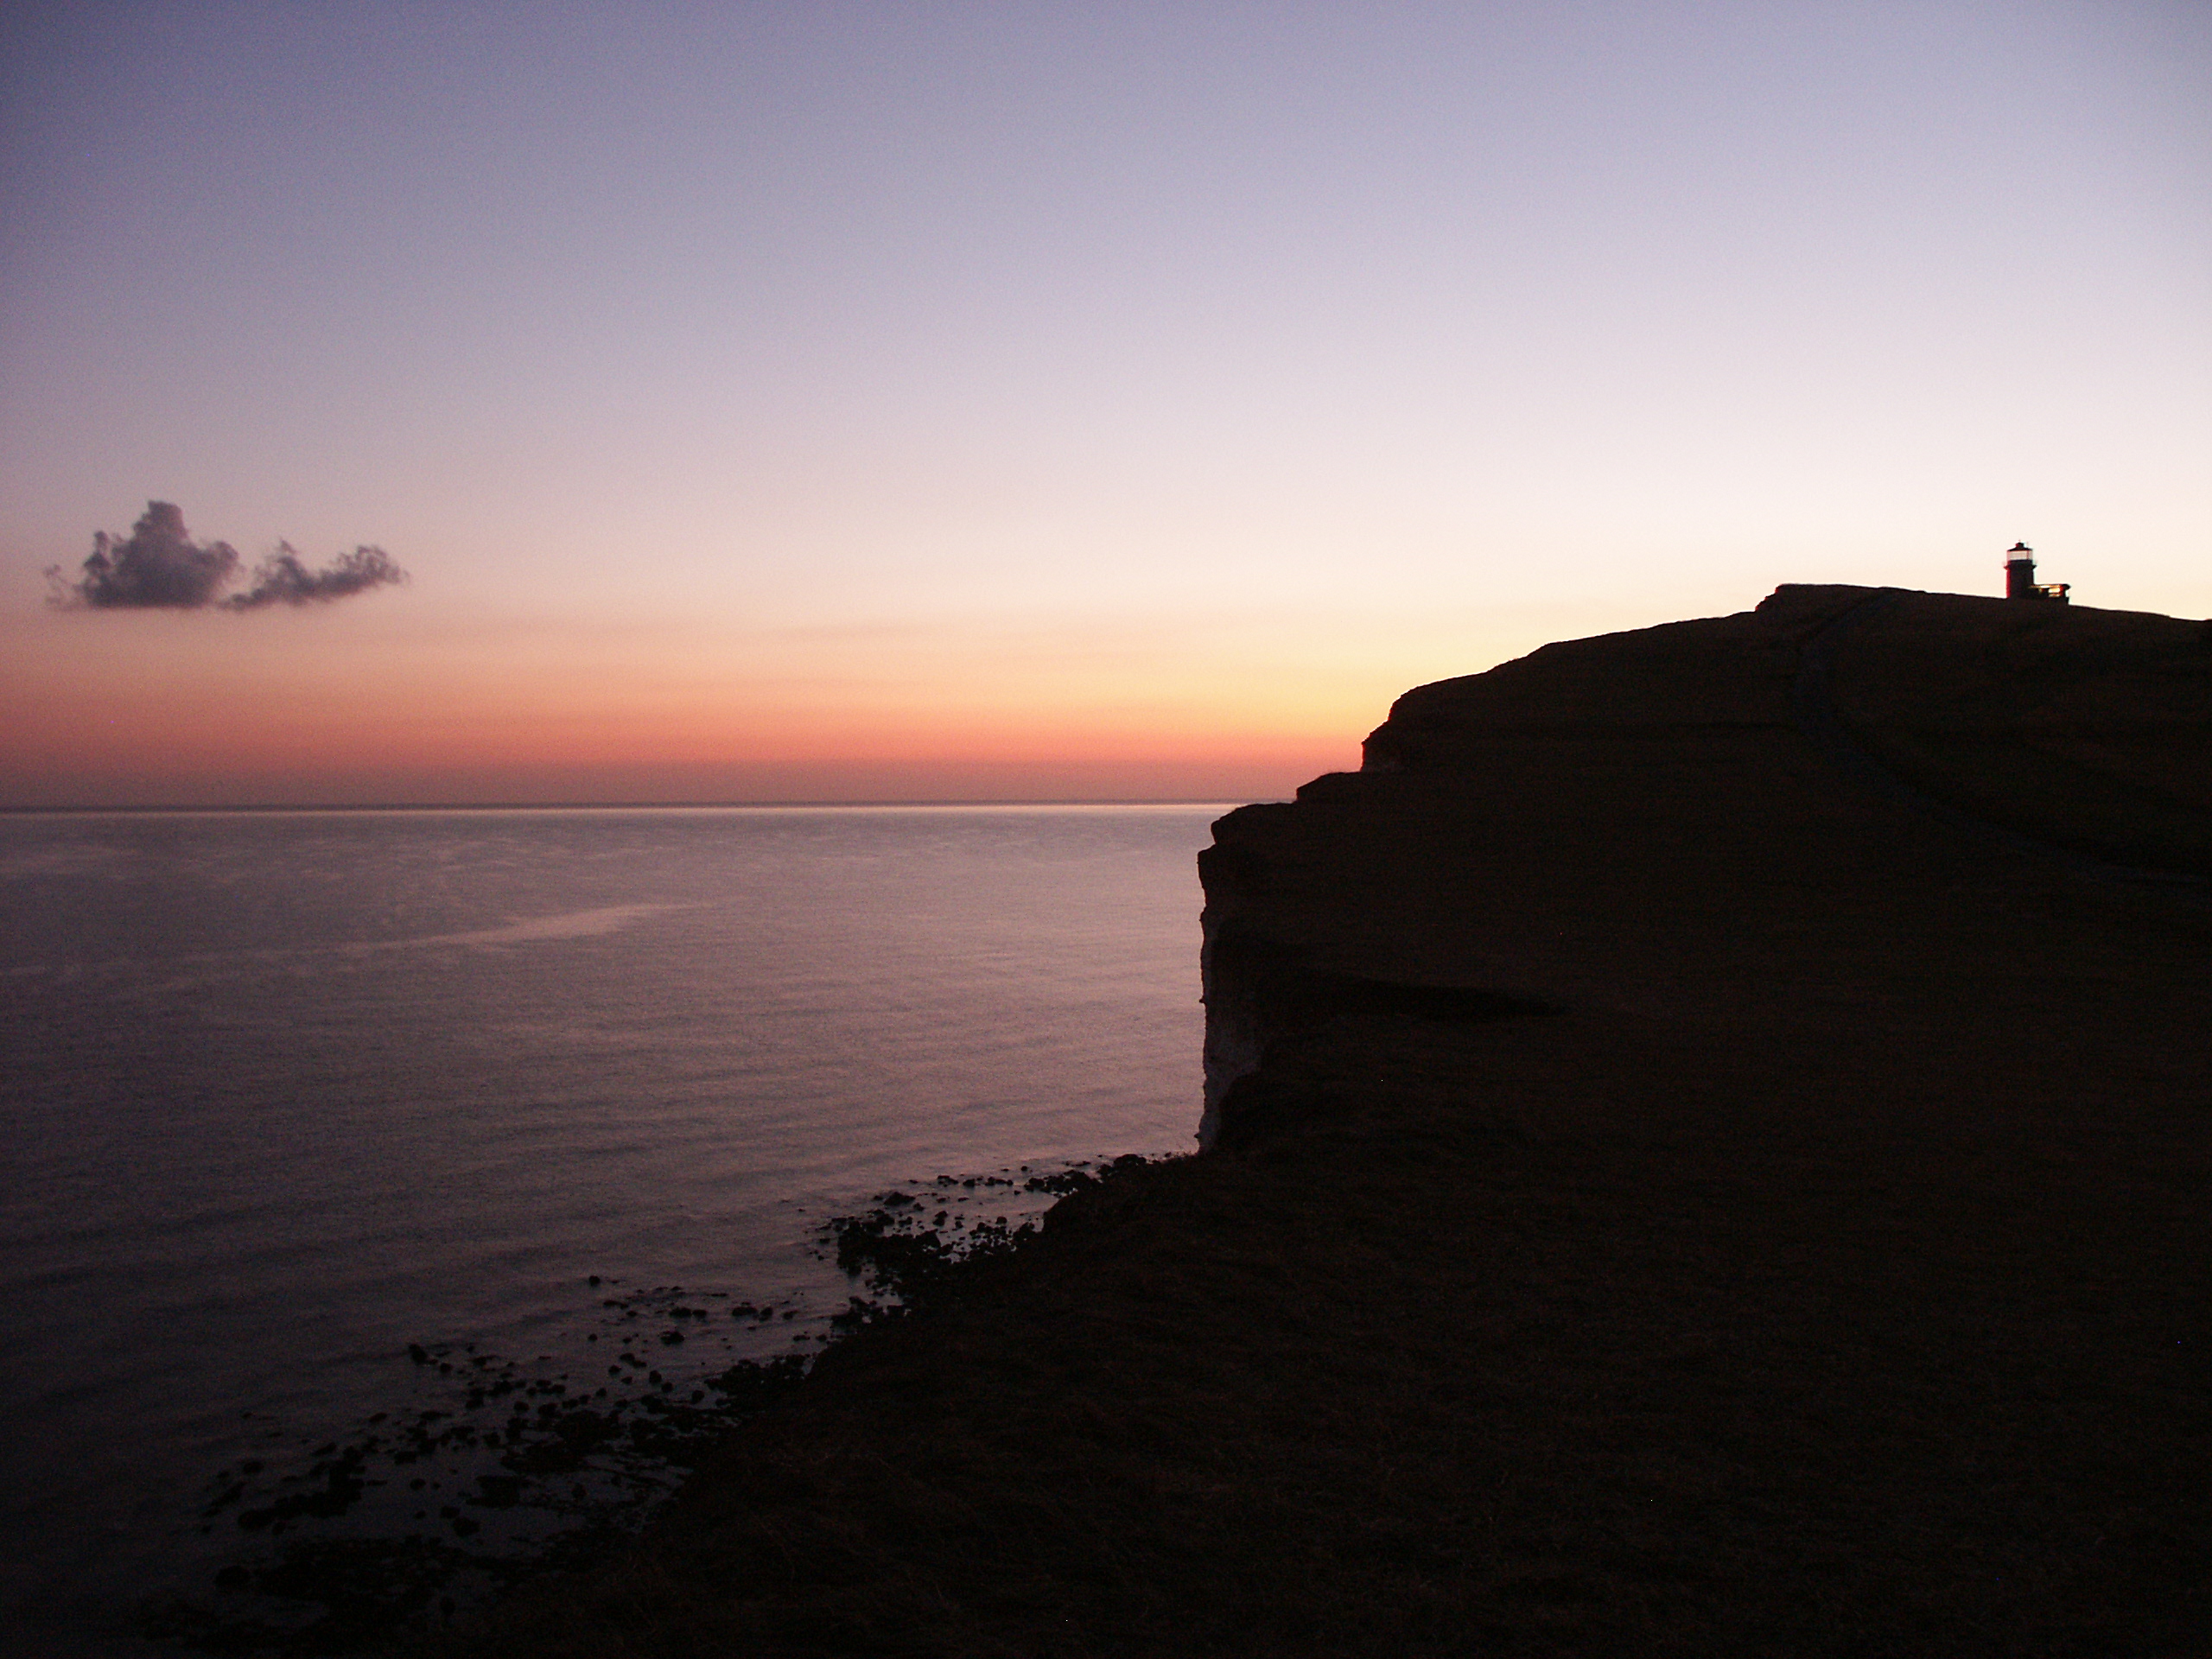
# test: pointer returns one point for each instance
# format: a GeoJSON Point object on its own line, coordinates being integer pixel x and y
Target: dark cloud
{"type": "Point", "coordinates": [159, 567]}
{"type": "Point", "coordinates": [284, 580]}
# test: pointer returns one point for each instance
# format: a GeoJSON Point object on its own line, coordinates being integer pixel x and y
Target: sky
{"type": "Point", "coordinates": [1003, 400]}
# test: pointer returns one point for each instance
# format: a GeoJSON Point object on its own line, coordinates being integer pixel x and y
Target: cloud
{"type": "Point", "coordinates": [159, 567]}
{"type": "Point", "coordinates": [284, 580]}
{"type": "Point", "coordinates": [156, 566]}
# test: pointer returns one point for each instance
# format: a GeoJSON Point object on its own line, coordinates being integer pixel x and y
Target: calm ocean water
{"type": "Point", "coordinates": [286, 1093]}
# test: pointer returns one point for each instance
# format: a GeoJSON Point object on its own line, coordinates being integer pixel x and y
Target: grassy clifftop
{"type": "Point", "coordinates": [1711, 1159]}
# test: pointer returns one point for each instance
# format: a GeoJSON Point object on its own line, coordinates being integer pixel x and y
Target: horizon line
{"type": "Point", "coordinates": [634, 806]}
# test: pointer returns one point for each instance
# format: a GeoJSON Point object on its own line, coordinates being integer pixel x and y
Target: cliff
{"type": "Point", "coordinates": [1708, 1142]}
{"type": "Point", "coordinates": [1822, 811]}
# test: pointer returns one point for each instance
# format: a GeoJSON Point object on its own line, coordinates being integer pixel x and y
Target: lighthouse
{"type": "Point", "coordinates": [2020, 576]}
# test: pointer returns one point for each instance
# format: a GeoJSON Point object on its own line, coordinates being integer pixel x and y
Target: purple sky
{"type": "Point", "coordinates": [1048, 400]}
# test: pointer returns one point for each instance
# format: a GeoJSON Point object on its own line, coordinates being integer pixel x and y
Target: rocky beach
{"type": "Point", "coordinates": [1707, 1153]}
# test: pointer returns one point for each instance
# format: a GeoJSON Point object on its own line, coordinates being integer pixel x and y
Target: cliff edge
{"type": "Point", "coordinates": [1708, 1139]}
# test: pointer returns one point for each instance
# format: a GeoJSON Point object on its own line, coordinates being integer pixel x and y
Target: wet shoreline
{"type": "Point", "coordinates": [422, 1514]}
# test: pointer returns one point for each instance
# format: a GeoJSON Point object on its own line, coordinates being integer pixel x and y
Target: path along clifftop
{"type": "Point", "coordinates": [1709, 1155]}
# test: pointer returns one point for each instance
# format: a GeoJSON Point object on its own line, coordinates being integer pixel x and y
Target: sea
{"type": "Point", "coordinates": [354, 1158]}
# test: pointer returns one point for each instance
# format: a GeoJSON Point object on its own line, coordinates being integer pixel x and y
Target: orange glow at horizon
{"type": "Point", "coordinates": [371, 707]}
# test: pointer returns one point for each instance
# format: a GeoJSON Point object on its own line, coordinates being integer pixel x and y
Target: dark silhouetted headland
{"type": "Point", "coordinates": [1708, 1155]}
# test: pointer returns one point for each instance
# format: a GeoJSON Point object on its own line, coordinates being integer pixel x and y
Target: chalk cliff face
{"type": "Point", "coordinates": [1765, 813]}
